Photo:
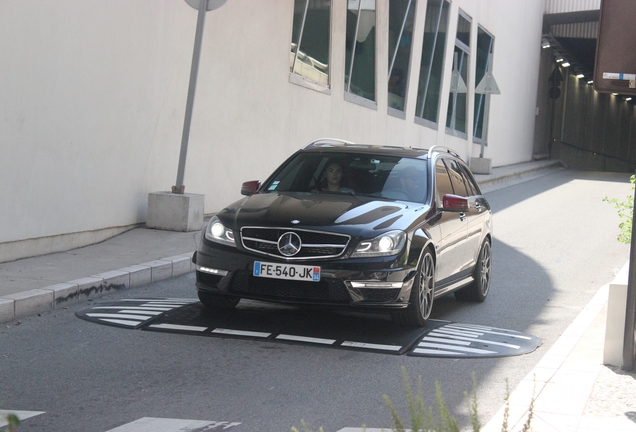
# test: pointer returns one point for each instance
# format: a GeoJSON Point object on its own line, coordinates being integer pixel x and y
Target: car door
{"type": "Point", "coordinates": [478, 215]}
{"type": "Point", "coordinates": [462, 187]}
{"type": "Point", "coordinates": [451, 254]}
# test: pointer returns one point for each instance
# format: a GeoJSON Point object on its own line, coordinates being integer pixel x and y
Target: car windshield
{"type": "Point", "coordinates": [392, 177]}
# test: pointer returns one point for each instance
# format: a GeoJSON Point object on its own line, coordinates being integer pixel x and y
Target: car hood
{"type": "Point", "coordinates": [349, 214]}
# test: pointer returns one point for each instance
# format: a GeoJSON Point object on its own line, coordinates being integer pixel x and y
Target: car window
{"type": "Point", "coordinates": [457, 177]}
{"type": "Point", "coordinates": [443, 184]}
{"type": "Point", "coordinates": [471, 183]}
{"type": "Point", "coordinates": [385, 176]}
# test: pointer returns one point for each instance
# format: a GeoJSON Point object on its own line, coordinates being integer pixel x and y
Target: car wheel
{"type": "Point", "coordinates": [478, 290]}
{"type": "Point", "coordinates": [217, 301]}
{"type": "Point", "coordinates": [421, 299]}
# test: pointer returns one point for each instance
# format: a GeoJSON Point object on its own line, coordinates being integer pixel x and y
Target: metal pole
{"type": "Point", "coordinates": [198, 39]}
{"type": "Point", "coordinates": [629, 353]}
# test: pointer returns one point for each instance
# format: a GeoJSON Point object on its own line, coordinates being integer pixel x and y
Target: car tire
{"type": "Point", "coordinates": [217, 301]}
{"type": "Point", "coordinates": [478, 289]}
{"type": "Point", "coordinates": [421, 300]}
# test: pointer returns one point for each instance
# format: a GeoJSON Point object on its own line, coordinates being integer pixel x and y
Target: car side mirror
{"type": "Point", "coordinates": [250, 187]}
{"type": "Point", "coordinates": [455, 202]}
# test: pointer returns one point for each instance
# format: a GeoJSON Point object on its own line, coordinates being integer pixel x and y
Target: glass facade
{"type": "Point", "coordinates": [310, 31]}
{"type": "Point", "coordinates": [360, 48]}
{"type": "Point", "coordinates": [431, 66]}
{"type": "Point", "coordinates": [456, 119]}
{"type": "Point", "coordinates": [401, 20]}
{"type": "Point", "coordinates": [485, 43]}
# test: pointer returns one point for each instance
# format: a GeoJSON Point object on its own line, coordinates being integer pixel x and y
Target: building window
{"type": "Point", "coordinates": [431, 67]}
{"type": "Point", "coordinates": [309, 57]}
{"type": "Point", "coordinates": [485, 43]}
{"type": "Point", "coordinates": [401, 17]}
{"type": "Point", "coordinates": [360, 49]}
{"type": "Point", "coordinates": [457, 109]}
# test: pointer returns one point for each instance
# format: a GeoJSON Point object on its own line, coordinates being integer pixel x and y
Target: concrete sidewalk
{"type": "Point", "coordinates": [573, 390]}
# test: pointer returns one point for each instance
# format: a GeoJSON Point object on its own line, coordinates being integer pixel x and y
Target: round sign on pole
{"type": "Point", "coordinates": [212, 4]}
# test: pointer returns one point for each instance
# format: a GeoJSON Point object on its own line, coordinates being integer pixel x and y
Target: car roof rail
{"type": "Point", "coordinates": [442, 149]}
{"type": "Point", "coordinates": [328, 141]}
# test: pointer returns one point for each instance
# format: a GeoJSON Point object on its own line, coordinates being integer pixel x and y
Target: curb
{"type": "Point", "coordinates": [517, 172]}
{"type": "Point", "coordinates": [60, 295]}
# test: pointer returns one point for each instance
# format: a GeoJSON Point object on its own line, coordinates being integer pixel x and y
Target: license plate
{"type": "Point", "coordinates": [287, 271]}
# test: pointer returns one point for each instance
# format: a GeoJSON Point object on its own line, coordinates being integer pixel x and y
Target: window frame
{"type": "Point", "coordinates": [349, 96]}
{"type": "Point", "coordinates": [301, 80]}
{"type": "Point", "coordinates": [485, 98]}
{"type": "Point", "coordinates": [461, 46]}
{"type": "Point", "coordinates": [443, 16]}
{"type": "Point", "coordinates": [411, 12]}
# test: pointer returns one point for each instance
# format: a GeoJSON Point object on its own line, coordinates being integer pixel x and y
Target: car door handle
{"type": "Point", "coordinates": [478, 207]}
{"type": "Point", "coordinates": [462, 216]}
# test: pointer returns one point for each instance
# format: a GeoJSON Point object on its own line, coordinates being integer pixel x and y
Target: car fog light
{"type": "Point", "coordinates": [376, 284]}
{"type": "Point", "coordinates": [212, 271]}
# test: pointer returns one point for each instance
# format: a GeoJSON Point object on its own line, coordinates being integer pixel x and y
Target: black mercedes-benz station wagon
{"type": "Point", "coordinates": [379, 228]}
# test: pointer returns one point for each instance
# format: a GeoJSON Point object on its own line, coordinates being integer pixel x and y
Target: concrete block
{"type": "Point", "coordinates": [175, 212]}
{"type": "Point", "coordinates": [180, 264]}
{"type": "Point", "coordinates": [481, 165]}
{"type": "Point", "coordinates": [7, 310]}
{"type": "Point", "coordinates": [89, 287]}
{"type": "Point", "coordinates": [615, 323]}
{"type": "Point", "coordinates": [140, 275]}
{"type": "Point", "coordinates": [32, 302]}
{"type": "Point", "coordinates": [160, 269]}
{"type": "Point", "coordinates": [64, 294]}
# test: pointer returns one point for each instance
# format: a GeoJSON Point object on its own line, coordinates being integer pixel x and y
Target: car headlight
{"type": "Point", "coordinates": [390, 243]}
{"type": "Point", "coordinates": [217, 232]}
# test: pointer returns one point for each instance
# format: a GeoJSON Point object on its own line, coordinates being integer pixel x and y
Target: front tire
{"type": "Point", "coordinates": [478, 290]}
{"type": "Point", "coordinates": [421, 299]}
{"type": "Point", "coordinates": [217, 301]}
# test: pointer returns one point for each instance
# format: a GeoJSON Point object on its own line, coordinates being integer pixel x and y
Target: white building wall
{"type": "Point", "coordinates": [93, 116]}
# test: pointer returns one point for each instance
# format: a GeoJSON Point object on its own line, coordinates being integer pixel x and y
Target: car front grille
{"type": "Point", "coordinates": [376, 295]}
{"type": "Point", "coordinates": [208, 279]}
{"type": "Point", "coordinates": [330, 290]}
{"type": "Point", "coordinates": [314, 244]}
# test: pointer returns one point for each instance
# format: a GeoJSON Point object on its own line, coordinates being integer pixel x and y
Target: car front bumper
{"type": "Point", "coordinates": [368, 283]}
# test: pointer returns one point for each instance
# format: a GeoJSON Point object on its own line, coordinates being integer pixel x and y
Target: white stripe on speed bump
{"type": "Point", "coordinates": [241, 333]}
{"type": "Point", "coordinates": [21, 415]}
{"type": "Point", "coordinates": [305, 339]}
{"type": "Point", "coordinates": [178, 327]}
{"type": "Point", "coordinates": [371, 346]}
{"type": "Point", "coordinates": [151, 424]}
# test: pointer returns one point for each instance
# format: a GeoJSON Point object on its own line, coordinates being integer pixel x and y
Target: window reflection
{"type": "Point", "coordinates": [484, 59]}
{"type": "Point", "coordinates": [401, 16]}
{"type": "Point", "coordinates": [311, 30]}
{"type": "Point", "coordinates": [360, 48]}
{"type": "Point", "coordinates": [456, 118]}
{"type": "Point", "coordinates": [430, 80]}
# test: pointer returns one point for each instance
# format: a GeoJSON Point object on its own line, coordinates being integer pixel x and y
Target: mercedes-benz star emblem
{"type": "Point", "coordinates": [289, 244]}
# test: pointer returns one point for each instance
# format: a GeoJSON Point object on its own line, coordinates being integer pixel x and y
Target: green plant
{"type": "Point", "coordinates": [12, 421]}
{"type": "Point", "coordinates": [423, 418]}
{"type": "Point", "coordinates": [625, 212]}
{"type": "Point", "coordinates": [304, 427]}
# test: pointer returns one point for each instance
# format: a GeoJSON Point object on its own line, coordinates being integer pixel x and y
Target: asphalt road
{"type": "Point", "coordinates": [554, 248]}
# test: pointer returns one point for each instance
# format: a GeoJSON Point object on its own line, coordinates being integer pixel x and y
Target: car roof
{"type": "Point", "coordinates": [341, 146]}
